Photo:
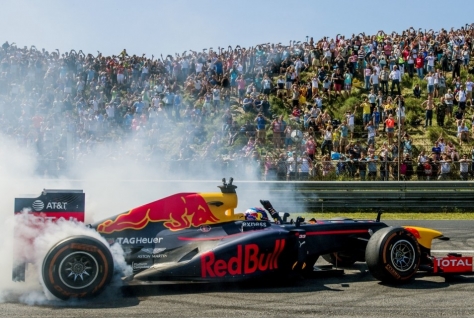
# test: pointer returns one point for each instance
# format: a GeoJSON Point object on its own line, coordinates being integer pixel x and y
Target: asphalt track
{"type": "Point", "coordinates": [355, 294]}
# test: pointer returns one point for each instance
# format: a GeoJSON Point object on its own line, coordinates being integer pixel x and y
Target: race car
{"type": "Point", "coordinates": [198, 237]}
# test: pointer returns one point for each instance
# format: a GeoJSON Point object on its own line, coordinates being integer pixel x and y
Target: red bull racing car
{"type": "Point", "coordinates": [198, 237]}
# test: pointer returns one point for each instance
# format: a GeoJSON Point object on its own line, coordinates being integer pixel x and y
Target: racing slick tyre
{"type": "Point", "coordinates": [393, 255]}
{"type": "Point", "coordinates": [340, 259]}
{"type": "Point", "coordinates": [77, 267]}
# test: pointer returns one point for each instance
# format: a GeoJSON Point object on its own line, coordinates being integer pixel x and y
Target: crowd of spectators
{"type": "Point", "coordinates": [218, 106]}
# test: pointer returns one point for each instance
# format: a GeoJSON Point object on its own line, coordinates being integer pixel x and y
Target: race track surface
{"type": "Point", "coordinates": [355, 294]}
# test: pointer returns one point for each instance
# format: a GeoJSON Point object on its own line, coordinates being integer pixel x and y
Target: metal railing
{"type": "Point", "coordinates": [425, 196]}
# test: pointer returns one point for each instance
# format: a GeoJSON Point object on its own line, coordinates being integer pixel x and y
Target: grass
{"type": "Point", "coordinates": [391, 216]}
{"type": "Point", "coordinates": [337, 107]}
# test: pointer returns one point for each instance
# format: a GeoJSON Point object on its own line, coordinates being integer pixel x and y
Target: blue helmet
{"type": "Point", "coordinates": [256, 213]}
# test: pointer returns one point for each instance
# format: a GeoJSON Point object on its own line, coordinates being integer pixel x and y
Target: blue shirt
{"type": "Point", "coordinates": [376, 117]}
{"type": "Point", "coordinates": [344, 131]}
{"type": "Point", "coordinates": [260, 123]}
{"type": "Point", "coordinates": [177, 99]}
{"type": "Point", "coordinates": [139, 106]}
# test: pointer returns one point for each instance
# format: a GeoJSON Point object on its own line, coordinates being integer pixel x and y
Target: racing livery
{"type": "Point", "coordinates": [199, 237]}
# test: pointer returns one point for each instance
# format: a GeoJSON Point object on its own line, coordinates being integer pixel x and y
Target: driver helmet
{"type": "Point", "coordinates": [256, 213]}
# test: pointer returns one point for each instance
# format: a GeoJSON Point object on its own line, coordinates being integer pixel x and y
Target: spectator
{"type": "Point", "coordinates": [419, 65]}
{"type": "Point", "coordinates": [371, 133]}
{"type": "Point", "coordinates": [374, 81]}
{"type": "Point", "coordinates": [282, 168]}
{"type": "Point", "coordinates": [390, 127]}
{"type": "Point", "coordinates": [344, 130]}
{"type": "Point", "coordinates": [464, 167]}
{"type": "Point", "coordinates": [395, 76]}
{"type": "Point", "coordinates": [449, 100]}
{"type": "Point", "coordinates": [292, 164]}
{"type": "Point", "coordinates": [277, 129]}
{"type": "Point", "coordinates": [270, 169]}
{"type": "Point", "coordinates": [461, 98]}
{"type": "Point", "coordinates": [428, 111]}
{"type": "Point", "coordinates": [417, 91]}
{"type": "Point", "coordinates": [366, 111]}
{"type": "Point", "coordinates": [261, 121]}
{"type": "Point", "coordinates": [311, 146]}
{"type": "Point", "coordinates": [372, 168]}
{"type": "Point", "coordinates": [306, 165]}
{"type": "Point", "coordinates": [327, 141]}
{"type": "Point", "coordinates": [384, 77]}
{"type": "Point", "coordinates": [362, 166]}
{"type": "Point", "coordinates": [444, 167]}
{"type": "Point", "coordinates": [463, 132]}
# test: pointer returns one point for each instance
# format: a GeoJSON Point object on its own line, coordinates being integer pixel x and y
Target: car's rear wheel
{"type": "Point", "coordinates": [77, 267]}
{"type": "Point", "coordinates": [340, 259]}
{"type": "Point", "coordinates": [393, 255]}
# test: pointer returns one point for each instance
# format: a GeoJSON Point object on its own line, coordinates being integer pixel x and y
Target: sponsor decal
{"type": "Point", "coordinates": [56, 205]}
{"type": "Point", "coordinates": [247, 260]}
{"type": "Point", "coordinates": [177, 212]}
{"type": "Point", "coordinates": [84, 247]}
{"type": "Point", "coordinates": [41, 218]}
{"type": "Point", "coordinates": [152, 256]}
{"type": "Point", "coordinates": [69, 294]}
{"type": "Point", "coordinates": [392, 271]}
{"type": "Point", "coordinates": [452, 264]}
{"type": "Point", "coordinates": [205, 228]}
{"type": "Point", "coordinates": [38, 205]}
{"type": "Point", "coordinates": [138, 240]}
{"type": "Point", "coordinates": [140, 265]}
{"type": "Point", "coordinates": [152, 251]}
{"type": "Point", "coordinates": [254, 224]}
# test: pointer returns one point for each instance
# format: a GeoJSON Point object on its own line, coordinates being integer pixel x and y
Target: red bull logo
{"type": "Point", "coordinates": [248, 260]}
{"type": "Point", "coordinates": [177, 212]}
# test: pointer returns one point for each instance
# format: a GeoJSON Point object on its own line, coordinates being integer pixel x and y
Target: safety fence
{"type": "Point", "coordinates": [424, 196]}
{"type": "Point", "coordinates": [390, 196]}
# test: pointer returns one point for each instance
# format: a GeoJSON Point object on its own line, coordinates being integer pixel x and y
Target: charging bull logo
{"type": "Point", "coordinates": [177, 212]}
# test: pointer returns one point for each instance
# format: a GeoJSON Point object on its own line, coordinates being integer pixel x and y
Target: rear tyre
{"type": "Point", "coordinates": [340, 259]}
{"type": "Point", "coordinates": [77, 267]}
{"type": "Point", "coordinates": [393, 255]}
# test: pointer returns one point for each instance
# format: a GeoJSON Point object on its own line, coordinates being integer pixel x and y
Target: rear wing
{"type": "Point", "coordinates": [51, 205]}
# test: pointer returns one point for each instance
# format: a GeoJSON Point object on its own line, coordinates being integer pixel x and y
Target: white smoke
{"type": "Point", "coordinates": [115, 177]}
{"type": "Point", "coordinates": [32, 241]}
{"type": "Point", "coordinates": [112, 186]}
{"type": "Point", "coordinates": [26, 239]}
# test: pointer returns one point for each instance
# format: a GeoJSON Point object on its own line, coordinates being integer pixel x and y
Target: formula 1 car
{"type": "Point", "coordinates": [199, 237]}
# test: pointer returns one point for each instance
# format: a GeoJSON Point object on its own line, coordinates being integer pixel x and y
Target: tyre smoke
{"type": "Point", "coordinates": [32, 241]}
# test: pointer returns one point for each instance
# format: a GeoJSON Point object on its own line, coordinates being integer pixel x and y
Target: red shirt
{"type": "Point", "coordinates": [405, 54]}
{"type": "Point", "coordinates": [390, 123]}
{"type": "Point", "coordinates": [419, 63]}
{"type": "Point", "coordinates": [310, 147]}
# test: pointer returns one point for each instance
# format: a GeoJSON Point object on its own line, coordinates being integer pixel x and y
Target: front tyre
{"type": "Point", "coordinates": [393, 255]}
{"type": "Point", "coordinates": [77, 267]}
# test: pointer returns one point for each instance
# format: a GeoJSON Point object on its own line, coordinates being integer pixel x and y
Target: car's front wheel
{"type": "Point", "coordinates": [77, 267]}
{"type": "Point", "coordinates": [393, 255]}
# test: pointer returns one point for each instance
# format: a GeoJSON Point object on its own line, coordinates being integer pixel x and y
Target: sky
{"type": "Point", "coordinates": [154, 27]}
